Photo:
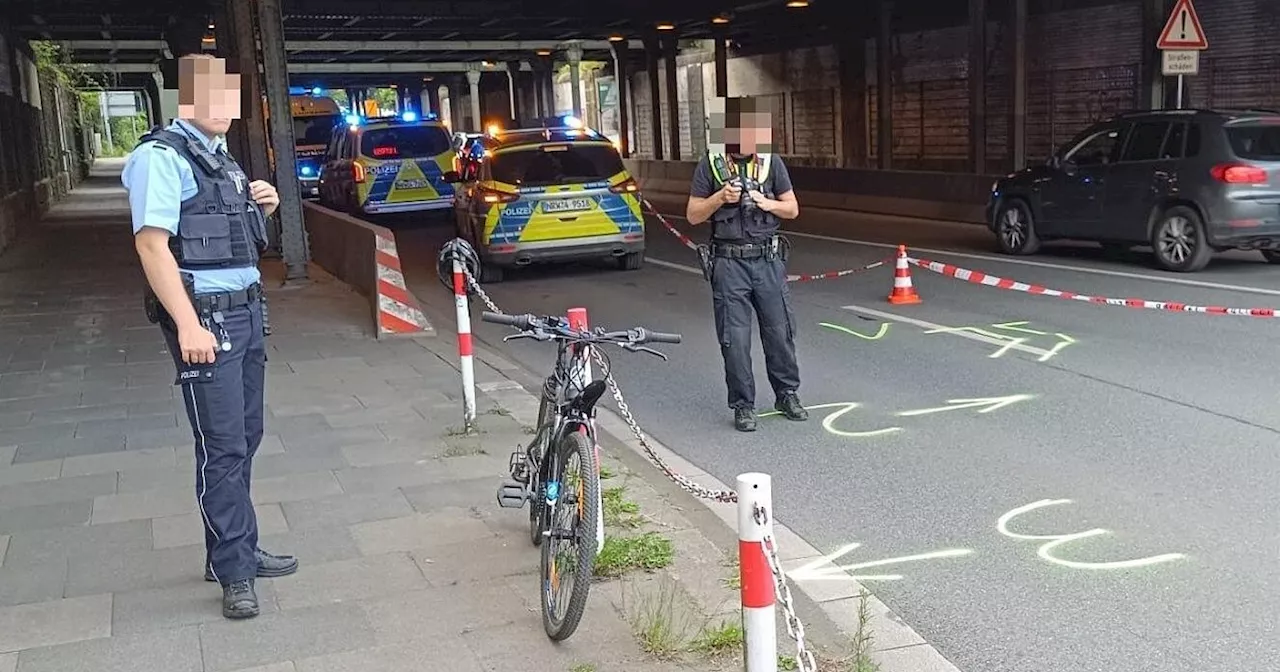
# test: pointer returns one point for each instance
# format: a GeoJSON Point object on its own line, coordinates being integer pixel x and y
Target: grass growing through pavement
{"type": "Point", "coordinates": [734, 580]}
{"type": "Point", "coordinates": [583, 667]}
{"type": "Point", "coordinates": [459, 450]}
{"type": "Point", "coordinates": [660, 624]}
{"type": "Point", "coordinates": [649, 551]}
{"type": "Point", "coordinates": [620, 511]}
{"type": "Point", "coordinates": [723, 638]}
{"type": "Point", "coordinates": [862, 638]}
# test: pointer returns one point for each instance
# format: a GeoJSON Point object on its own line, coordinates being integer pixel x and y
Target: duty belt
{"type": "Point", "coordinates": [223, 301]}
{"type": "Point", "coordinates": [741, 250]}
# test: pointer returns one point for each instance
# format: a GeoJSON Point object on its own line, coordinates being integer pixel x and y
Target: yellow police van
{"type": "Point", "coordinates": [314, 118]}
{"type": "Point", "coordinates": [388, 165]}
{"type": "Point", "coordinates": [556, 193]}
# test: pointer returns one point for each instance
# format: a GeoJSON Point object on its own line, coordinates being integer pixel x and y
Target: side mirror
{"type": "Point", "coordinates": [452, 177]}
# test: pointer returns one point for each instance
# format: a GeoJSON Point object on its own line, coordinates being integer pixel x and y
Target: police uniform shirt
{"type": "Point", "coordinates": [704, 182]}
{"type": "Point", "coordinates": [159, 180]}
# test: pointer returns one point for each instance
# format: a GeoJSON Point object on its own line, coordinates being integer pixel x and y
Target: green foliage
{"type": "Point", "coordinates": [55, 63]}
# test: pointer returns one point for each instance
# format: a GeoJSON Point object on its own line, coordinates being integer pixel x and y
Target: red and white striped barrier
{"type": "Point", "coordinates": [759, 621]}
{"type": "Point", "coordinates": [804, 277]}
{"type": "Point", "coordinates": [466, 348]}
{"type": "Point", "coordinates": [398, 311]}
{"type": "Point", "coordinates": [980, 278]}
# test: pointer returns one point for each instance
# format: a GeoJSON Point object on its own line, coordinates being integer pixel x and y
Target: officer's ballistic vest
{"type": "Point", "coordinates": [221, 226]}
{"type": "Point", "coordinates": [738, 223]}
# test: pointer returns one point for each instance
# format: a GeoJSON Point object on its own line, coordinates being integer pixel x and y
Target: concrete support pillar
{"type": "Point", "coordinates": [424, 100]}
{"type": "Point", "coordinates": [539, 91]}
{"type": "Point", "coordinates": [353, 102]}
{"type": "Point", "coordinates": [655, 95]}
{"type": "Point", "coordinates": [293, 236]}
{"type": "Point", "coordinates": [722, 66]}
{"type": "Point", "coordinates": [473, 81]}
{"type": "Point", "coordinates": [433, 99]}
{"type": "Point", "coordinates": [670, 49]}
{"type": "Point", "coordinates": [853, 103]}
{"type": "Point", "coordinates": [1154, 92]}
{"type": "Point", "coordinates": [574, 56]}
{"type": "Point", "coordinates": [978, 86]}
{"type": "Point", "coordinates": [252, 120]}
{"type": "Point", "coordinates": [549, 81]}
{"type": "Point", "coordinates": [454, 84]}
{"type": "Point", "coordinates": [515, 82]}
{"type": "Point", "coordinates": [622, 75]}
{"type": "Point", "coordinates": [154, 85]}
{"type": "Point", "coordinates": [884, 86]}
{"type": "Point", "coordinates": [1018, 88]}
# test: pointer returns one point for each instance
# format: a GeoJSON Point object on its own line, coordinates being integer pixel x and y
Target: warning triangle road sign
{"type": "Point", "coordinates": [1183, 31]}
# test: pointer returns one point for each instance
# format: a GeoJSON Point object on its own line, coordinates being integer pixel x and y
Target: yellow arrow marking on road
{"type": "Point", "coordinates": [884, 329]}
{"type": "Point", "coordinates": [987, 404]}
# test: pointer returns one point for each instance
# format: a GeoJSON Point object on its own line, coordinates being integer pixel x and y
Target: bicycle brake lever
{"type": "Point", "coordinates": [641, 348]}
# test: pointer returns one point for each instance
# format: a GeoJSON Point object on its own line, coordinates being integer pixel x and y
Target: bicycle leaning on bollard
{"type": "Point", "coordinates": [565, 507]}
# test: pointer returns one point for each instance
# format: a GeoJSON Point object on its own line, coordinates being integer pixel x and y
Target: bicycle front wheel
{"type": "Point", "coordinates": [537, 451]}
{"type": "Point", "coordinates": [569, 554]}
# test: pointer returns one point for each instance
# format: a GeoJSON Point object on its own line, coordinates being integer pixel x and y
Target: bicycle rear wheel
{"type": "Point", "coordinates": [570, 551]}
{"type": "Point", "coordinates": [537, 451]}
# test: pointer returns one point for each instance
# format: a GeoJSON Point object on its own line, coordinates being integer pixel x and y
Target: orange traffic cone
{"type": "Point", "coordinates": [904, 293]}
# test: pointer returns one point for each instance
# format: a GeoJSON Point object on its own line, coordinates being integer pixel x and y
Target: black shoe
{"type": "Point", "coordinates": [269, 566]}
{"type": "Point", "coordinates": [239, 599]}
{"type": "Point", "coordinates": [744, 419]}
{"type": "Point", "coordinates": [791, 407]}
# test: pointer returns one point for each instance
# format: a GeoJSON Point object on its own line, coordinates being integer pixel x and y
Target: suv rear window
{"type": "Point", "coordinates": [556, 164]}
{"type": "Point", "coordinates": [399, 142]}
{"type": "Point", "coordinates": [1256, 141]}
{"type": "Point", "coordinates": [314, 130]}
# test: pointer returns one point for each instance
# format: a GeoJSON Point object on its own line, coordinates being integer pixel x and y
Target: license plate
{"type": "Point", "coordinates": [412, 184]}
{"type": "Point", "coordinates": [566, 205]}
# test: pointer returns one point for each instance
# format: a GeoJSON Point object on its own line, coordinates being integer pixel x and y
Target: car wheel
{"type": "Point", "coordinates": [631, 262]}
{"type": "Point", "coordinates": [1272, 256]}
{"type": "Point", "coordinates": [491, 274]}
{"type": "Point", "coordinates": [1179, 241]}
{"type": "Point", "coordinates": [1015, 230]}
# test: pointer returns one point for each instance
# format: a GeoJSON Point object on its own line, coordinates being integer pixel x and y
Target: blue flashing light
{"type": "Point", "coordinates": [315, 90]}
{"type": "Point", "coordinates": [431, 116]}
{"type": "Point", "coordinates": [306, 171]}
{"type": "Point", "coordinates": [353, 120]}
{"type": "Point", "coordinates": [410, 116]}
{"type": "Point", "coordinates": [572, 121]}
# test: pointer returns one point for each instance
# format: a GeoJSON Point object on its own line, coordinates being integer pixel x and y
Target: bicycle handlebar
{"type": "Point", "coordinates": [553, 327]}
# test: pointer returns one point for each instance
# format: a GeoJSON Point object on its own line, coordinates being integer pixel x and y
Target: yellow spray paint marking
{"type": "Point", "coordinates": [843, 407]}
{"type": "Point", "coordinates": [1053, 541]}
{"type": "Point", "coordinates": [1012, 342]}
{"type": "Point", "coordinates": [814, 571]}
{"type": "Point", "coordinates": [884, 329]}
{"type": "Point", "coordinates": [986, 404]}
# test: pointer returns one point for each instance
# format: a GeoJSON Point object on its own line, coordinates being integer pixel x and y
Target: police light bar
{"type": "Point", "coordinates": [572, 122]}
{"type": "Point", "coordinates": [409, 116]}
{"type": "Point", "coordinates": [353, 120]}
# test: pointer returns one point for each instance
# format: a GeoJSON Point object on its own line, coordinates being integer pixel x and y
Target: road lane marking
{"type": "Point", "coordinates": [1004, 343]}
{"type": "Point", "coordinates": [814, 571]}
{"type": "Point", "coordinates": [987, 404]}
{"type": "Point", "coordinates": [1052, 541]}
{"type": "Point", "coordinates": [1037, 264]}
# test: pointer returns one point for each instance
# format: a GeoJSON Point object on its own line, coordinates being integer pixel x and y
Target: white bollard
{"type": "Point", "coordinates": [755, 522]}
{"type": "Point", "coordinates": [466, 352]}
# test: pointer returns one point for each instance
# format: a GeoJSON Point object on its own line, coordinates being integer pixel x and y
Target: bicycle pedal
{"type": "Point", "coordinates": [519, 468]}
{"type": "Point", "coordinates": [512, 495]}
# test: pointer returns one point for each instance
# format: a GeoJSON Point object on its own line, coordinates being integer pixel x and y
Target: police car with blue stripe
{"type": "Point", "coordinates": [388, 165]}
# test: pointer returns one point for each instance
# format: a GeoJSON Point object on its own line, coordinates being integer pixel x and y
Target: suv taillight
{"type": "Point", "coordinates": [1238, 173]}
{"type": "Point", "coordinates": [628, 186]}
{"type": "Point", "coordinates": [495, 196]}
{"type": "Point", "coordinates": [357, 172]}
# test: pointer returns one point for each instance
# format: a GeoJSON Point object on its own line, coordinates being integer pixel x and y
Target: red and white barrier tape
{"type": "Point", "coordinates": [804, 277]}
{"type": "Point", "coordinates": [980, 278]}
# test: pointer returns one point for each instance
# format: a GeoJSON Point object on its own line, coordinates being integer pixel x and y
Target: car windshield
{"type": "Point", "coordinates": [556, 164]}
{"type": "Point", "coordinates": [398, 142]}
{"type": "Point", "coordinates": [1256, 141]}
{"type": "Point", "coordinates": [314, 130]}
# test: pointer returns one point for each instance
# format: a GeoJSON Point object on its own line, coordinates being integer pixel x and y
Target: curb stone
{"type": "Point", "coordinates": [896, 646]}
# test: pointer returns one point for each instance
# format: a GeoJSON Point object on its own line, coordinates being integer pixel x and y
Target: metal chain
{"type": "Point", "coordinates": [795, 628]}
{"type": "Point", "coordinates": [479, 291]}
{"type": "Point", "coordinates": [723, 496]}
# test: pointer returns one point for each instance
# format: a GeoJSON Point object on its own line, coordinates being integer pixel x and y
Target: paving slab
{"type": "Point", "coordinates": [30, 626]}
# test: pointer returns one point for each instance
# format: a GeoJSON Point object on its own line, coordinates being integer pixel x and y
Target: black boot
{"type": "Point", "coordinates": [792, 409]}
{"type": "Point", "coordinates": [269, 566]}
{"type": "Point", "coordinates": [744, 419]}
{"type": "Point", "coordinates": [239, 600]}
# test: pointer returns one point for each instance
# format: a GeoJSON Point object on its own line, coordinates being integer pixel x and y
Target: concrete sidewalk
{"type": "Point", "coordinates": [407, 563]}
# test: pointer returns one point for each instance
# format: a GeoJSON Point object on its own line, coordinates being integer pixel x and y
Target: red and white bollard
{"type": "Point", "coordinates": [578, 322]}
{"type": "Point", "coordinates": [755, 523]}
{"type": "Point", "coordinates": [466, 352]}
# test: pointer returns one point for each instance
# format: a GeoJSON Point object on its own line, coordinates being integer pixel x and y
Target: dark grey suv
{"type": "Point", "coordinates": [1186, 182]}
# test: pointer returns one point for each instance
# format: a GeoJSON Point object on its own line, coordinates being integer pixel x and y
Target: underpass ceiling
{"type": "Point", "coordinates": [126, 31]}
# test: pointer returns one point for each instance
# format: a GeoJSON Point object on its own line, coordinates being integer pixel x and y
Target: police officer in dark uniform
{"type": "Point", "coordinates": [745, 192]}
{"type": "Point", "coordinates": [199, 228]}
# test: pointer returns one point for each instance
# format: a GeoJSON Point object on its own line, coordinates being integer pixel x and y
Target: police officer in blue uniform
{"type": "Point", "coordinates": [745, 192]}
{"type": "Point", "coordinates": [199, 228]}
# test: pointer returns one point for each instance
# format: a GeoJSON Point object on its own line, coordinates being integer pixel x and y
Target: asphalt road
{"type": "Point", "coordinates": [1161, 428]}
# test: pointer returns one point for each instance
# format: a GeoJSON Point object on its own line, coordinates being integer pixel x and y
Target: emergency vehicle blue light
{"type": "Point", "coordinates": [431, 116]}
{"type": "Point", "coordinates": [353, 120]}
{"type": "Point", "coordinates": [409, 116]}
{"type": "Point", "coordinates": [315, 90]}
{"type": "Point", "coordinates": [306, 170]}
{"type": "Point", "coordinates": [572, 122]}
